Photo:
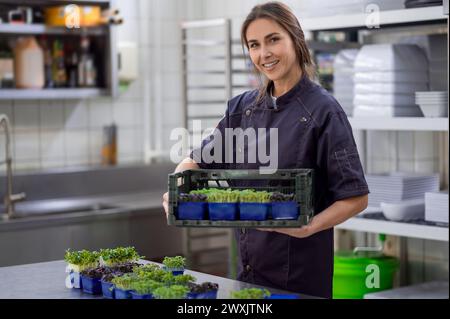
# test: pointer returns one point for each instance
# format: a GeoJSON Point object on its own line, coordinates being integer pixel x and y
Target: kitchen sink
{"type": "Point", "coordinates": [52, 207]}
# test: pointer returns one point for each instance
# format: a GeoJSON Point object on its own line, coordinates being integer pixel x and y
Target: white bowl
{"type": "Point", "coordinates": [404, 210]}
{"type": "Point", "coordinates": [434, 110]}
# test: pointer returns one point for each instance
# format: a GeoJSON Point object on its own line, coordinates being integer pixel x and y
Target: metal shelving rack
{"type": "Point", "coordinates": [188, 57]}
{"type": "Point", "coordinates": [110, 53]}
{"type": "Point", "coordinates": [199, 243]}
{"type": "Point", "coordinates": [227, 72]}
{"type": "Point", "coordinates": [217, 48]}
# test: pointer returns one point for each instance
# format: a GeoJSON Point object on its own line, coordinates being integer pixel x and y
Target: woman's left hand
{"type": "Point", "coordinates": [302, 232]}
{"type": "Point", "coordinates": [335, 214]}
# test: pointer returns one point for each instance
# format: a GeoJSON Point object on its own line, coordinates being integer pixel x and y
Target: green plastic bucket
{"type": "Point", "coordinates": [356, 274]}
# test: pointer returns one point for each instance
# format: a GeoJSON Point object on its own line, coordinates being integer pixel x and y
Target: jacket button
{"type": "Point", "coordinates": [248, 112]}
{"type": "Point", "coordinates": [303, 119]}
{"type": "Point", "coordinates": [248, 268]}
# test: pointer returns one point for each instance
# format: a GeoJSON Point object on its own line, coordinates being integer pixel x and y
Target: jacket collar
{"type": "Point", "coordinates": [302, 85]}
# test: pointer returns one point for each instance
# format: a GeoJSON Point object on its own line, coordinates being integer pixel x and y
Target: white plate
{"type": "Point", "coordinates": [392, 78]}
{"type": "Point", "coordinates": [431, 98]}
{"type": "Point", "coordinates": [390, 88]}
{"type": "Point", "coordinates": [431, 95]}
{"type": "Point", "coordinates": [419, 101]}
{"type": "Point", "coordinates": [421, 96]}
{"type": "Point", "coordinates": [431, 92]}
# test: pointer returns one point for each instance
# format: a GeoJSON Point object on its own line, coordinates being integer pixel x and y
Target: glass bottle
{"type": "Point", "coordinates": [58, 65]}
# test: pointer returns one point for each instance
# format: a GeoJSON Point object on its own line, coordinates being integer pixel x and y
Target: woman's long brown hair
{"type": "Point", "coordinates": [281, 14]}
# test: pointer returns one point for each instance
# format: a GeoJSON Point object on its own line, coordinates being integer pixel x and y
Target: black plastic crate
{"type": "Point", "coordinates": [288, 181]}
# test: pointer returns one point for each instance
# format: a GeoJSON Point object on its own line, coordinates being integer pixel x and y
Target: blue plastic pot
{"type": "Point", "coordinates": [223, 211]}
{"type": "Point", "coordinates": [202, 295]}
{"type": "Point", "coordinates": [135, 295]}
{"type": "Point", "coordinates": [282, 296]}
{"type": "Point", "coordinates": [108, 289]}
{"type": "Point", "coordinates": [253, 211]}
{"type": "Point", "coordinates": [174, 271]}
{"type": "Point", "coordinates": [285, 210]}
{"type": "Point", "coordinates": [192, 210]}
{"type": "Point", "coordinates": [177, 272]}
{"type": "Point", "coordinates": [91, 286]}
{"type": "Point", "coordinates": [122, 294]}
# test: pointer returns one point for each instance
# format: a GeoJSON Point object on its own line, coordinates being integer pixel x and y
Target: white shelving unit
{"type": "Point", "coordinates": [395, 228]}
{"type": "Point", "coordinates": [51, 94]}
{"type": "Point", "coordinates": [392, 18]}
{"type": "Point", "coordinates": [6, 28]}
{"type": "Point", "coordinates": [400, 123]}
{"type": "Point", "coordinates": [410, 230]}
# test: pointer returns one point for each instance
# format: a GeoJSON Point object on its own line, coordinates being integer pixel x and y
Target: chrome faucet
{"type": "Point", "coordinates": [9, 198]}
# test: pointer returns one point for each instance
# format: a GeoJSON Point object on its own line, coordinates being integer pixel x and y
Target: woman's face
{"type": "Point", "coordinates": [272, 50]}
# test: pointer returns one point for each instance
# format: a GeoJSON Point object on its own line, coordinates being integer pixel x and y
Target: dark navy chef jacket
{"type": "Point", "coordinates": [313, 132]}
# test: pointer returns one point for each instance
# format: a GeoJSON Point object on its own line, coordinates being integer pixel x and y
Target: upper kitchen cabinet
{"type": "Point", "coordinates": [57, 49]}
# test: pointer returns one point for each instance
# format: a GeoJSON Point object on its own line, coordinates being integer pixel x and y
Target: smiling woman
{"type": "Point", "coordinates": [313, 132]}
{"type": "Point", "coordinates": [277, 47]}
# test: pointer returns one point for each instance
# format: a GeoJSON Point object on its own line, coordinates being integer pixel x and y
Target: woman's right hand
{"type": "Point", "coordinates": [165, 203]}
{"type": "Point", "coordinates": [187, 163]}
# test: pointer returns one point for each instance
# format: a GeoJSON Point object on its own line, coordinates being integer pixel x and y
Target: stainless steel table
{"type": "Point", "coordinates": [47, 281]}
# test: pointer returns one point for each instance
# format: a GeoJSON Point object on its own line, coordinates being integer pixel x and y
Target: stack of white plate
{"type": "Point", "coordinates": [436, 207]}
{"type": "Point", "coordinates": [386, 78]}
{"type": "Point", "coordinates": [343, 78]}
{"type": "Point", "coordinates": [397, 186]}
{"type": "Point", "coordinates": [433, 103]}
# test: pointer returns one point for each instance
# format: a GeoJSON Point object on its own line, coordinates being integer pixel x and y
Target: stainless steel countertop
{"type": "Point", "coordinates": [125, 204]}
{"type": "Point", "coordinates": [47, 281]}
